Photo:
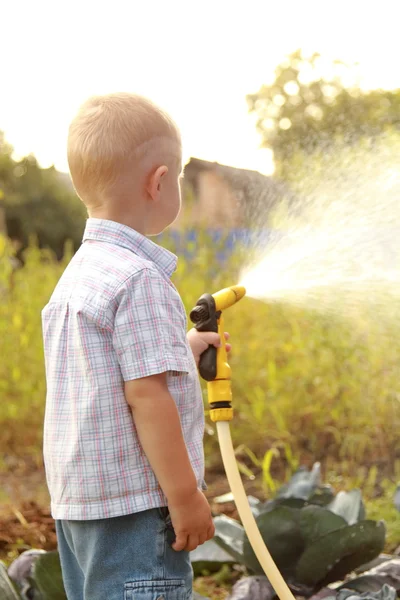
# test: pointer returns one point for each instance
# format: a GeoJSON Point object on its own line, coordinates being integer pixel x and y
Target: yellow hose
{"type": "Point", "coordinates": [242, 504]}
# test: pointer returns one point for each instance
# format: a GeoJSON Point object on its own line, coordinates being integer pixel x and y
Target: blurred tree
{"type": "Point", "coordinates": [6, 167]}
{"type": "Point", "coordinates": [38, 202]}
{"type": "Point", "coordinates": [313, 102]}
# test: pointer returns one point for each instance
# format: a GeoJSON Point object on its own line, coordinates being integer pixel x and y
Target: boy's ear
{"type": "Point", "coordinates": [155, 181]}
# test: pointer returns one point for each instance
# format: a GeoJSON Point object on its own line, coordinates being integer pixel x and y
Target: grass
{"type": "Point", "coordinates": [382, 508]}
{"type": "Point", "coordinates": [305, 385]}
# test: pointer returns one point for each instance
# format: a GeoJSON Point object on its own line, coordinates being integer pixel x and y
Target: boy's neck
{"type": "Point", "coordinates": [132, 221]}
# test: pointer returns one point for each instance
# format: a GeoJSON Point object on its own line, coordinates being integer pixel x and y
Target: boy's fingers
{"type": "Point", "coordinates": [193, 542]}
{"type": "Point", "coordinates": [202, 539]}
{"type": "Point", "coordinates": [180, 542]}
{"type": "Point", "coordinates": [211, 338]}
{"type": "Point", "coordinates": [228, 347]}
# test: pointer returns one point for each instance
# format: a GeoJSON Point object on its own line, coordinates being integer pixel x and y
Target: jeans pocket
{"type": "Point", "coordinates": [165, 516]}
{"type": "Point", "coordinates": [167, 589]}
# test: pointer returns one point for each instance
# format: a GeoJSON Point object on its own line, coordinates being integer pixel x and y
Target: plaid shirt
{"type": "Point", "coordinates": [114, 316]}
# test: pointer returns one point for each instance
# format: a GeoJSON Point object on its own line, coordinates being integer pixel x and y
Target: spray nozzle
{"type": "Point", "coordinates": [199, 314]}
{"type": "Point", "coordinates": [206, 316]}
{"type": "Point", "coordinates": [208, 305]}
{"type": "Point", "coordinates": [228, 296]}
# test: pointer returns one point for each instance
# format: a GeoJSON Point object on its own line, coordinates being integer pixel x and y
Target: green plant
{"type": "Point", "coordinates": [8, 590]}
{"type": "Point", "coordinates": [385, 593]}
{"type": "Point", "coordinates": [314, 536]}
{"type": "Point", "coordinates": [325, 543]}
{"type": "Point", "coordinates": [35, 575]}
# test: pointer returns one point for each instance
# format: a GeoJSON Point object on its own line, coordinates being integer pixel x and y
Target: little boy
{"type": "Point", "coordinates": [124, 424]}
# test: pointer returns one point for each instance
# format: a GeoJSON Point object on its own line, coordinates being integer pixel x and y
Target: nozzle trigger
{"type": "Point", "coordinates": [204, 316]}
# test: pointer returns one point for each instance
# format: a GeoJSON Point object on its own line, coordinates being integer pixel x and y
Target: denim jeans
{"type": "Point", "coordinates": [124, 558]}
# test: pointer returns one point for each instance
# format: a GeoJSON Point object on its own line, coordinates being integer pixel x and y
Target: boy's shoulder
{"type": "Point", "coordinates": [111, 263]}
{"type": "Point", "coordinates": [97, 272]}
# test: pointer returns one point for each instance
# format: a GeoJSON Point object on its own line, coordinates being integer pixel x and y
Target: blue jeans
{"type": "Point", "coordinates": [124, 558]}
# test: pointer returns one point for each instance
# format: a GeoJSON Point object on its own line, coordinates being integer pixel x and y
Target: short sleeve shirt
{"type": "Point", "coordinates": [114, 316]}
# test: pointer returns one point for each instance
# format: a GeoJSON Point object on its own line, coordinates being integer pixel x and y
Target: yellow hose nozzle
{"type": "Point", "coordinates": [206, 316]}
{"type": "Point", "coordinates": [213, 366]}
{"type": "Point", "coordinates": [228, 296]}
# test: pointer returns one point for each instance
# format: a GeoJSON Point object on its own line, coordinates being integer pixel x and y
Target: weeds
{"type": "Point", "coordinates": [306, 386]}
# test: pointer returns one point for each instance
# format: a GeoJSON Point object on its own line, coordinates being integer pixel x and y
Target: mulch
{"type": "Point", "coordinates": [28, 526]}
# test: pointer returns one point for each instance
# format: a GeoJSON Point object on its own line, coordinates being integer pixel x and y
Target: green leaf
{"type": "Point", "coordinates": [322, 496]}
{"type": "Point", "coordinates": [385, 593]}
{"type": "Point", "coordinates": [316, 521]}
{"type": "Point", "coordinates": [290, 502]}
{"type": "Point", "coordinates": [348, 505]}
{"type": "Point", "coordinates": [7, 589]}
{"type": "Point", "coordinates": [388, 572]}
{"type": "Point", "coordinates": [363, 584]}
{"type": "Point", "coordinates": [229, 535]}
{"type": "Point", "coordinates": [253, 588]}
{"type": "Point", "coordinates": [47, 578]}
{"type": "Point", "coordinates": [255, 505]}
{"type": "Point", "coordinates": [340, 552]}
{"type": "Point", "coordinates": [266, 465]}
{"type": "Point", "coordinates": [209, 557]}
{"type": "Point", "coordinates": [20, 572]}
{"type": "Point", "coordinates": [373, 564]}
{"type": "Point", "coordinates": [303, 483]}
{"type": "Point", "coordinates": [281, 533]}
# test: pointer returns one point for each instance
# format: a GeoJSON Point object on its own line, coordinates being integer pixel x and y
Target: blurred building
{"type": "Point", "coordinates": [220, 196]}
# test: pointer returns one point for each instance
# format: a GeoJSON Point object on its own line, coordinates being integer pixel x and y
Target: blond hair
{"type": "Point", "coordinates": [107, 136]}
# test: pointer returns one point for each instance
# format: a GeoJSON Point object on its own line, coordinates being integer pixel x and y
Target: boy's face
{"type": "Point", "coordinates": [167, 208]}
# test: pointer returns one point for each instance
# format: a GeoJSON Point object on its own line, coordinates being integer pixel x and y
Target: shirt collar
{"type": "Point", "coordinates": [111, 232]}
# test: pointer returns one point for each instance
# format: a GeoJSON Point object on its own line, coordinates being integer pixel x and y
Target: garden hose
{"type": "Point", "coordinates": [214, 368]}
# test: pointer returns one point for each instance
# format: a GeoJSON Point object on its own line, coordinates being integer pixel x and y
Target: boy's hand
{"type": "Point", "coordinates": [192, 522]}
{"type": "Point", "coordinates": [200, 340]}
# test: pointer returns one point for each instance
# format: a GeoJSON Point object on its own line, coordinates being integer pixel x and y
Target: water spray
{"type": "Point", "coordinates": [214, 368]}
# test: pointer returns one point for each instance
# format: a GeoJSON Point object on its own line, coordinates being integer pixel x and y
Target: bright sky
{"type": "Point", "coordinates": [196, 58]}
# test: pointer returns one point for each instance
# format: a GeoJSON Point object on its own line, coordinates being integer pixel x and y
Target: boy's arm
{"type": "Point", "coordinates": [159, 430]}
